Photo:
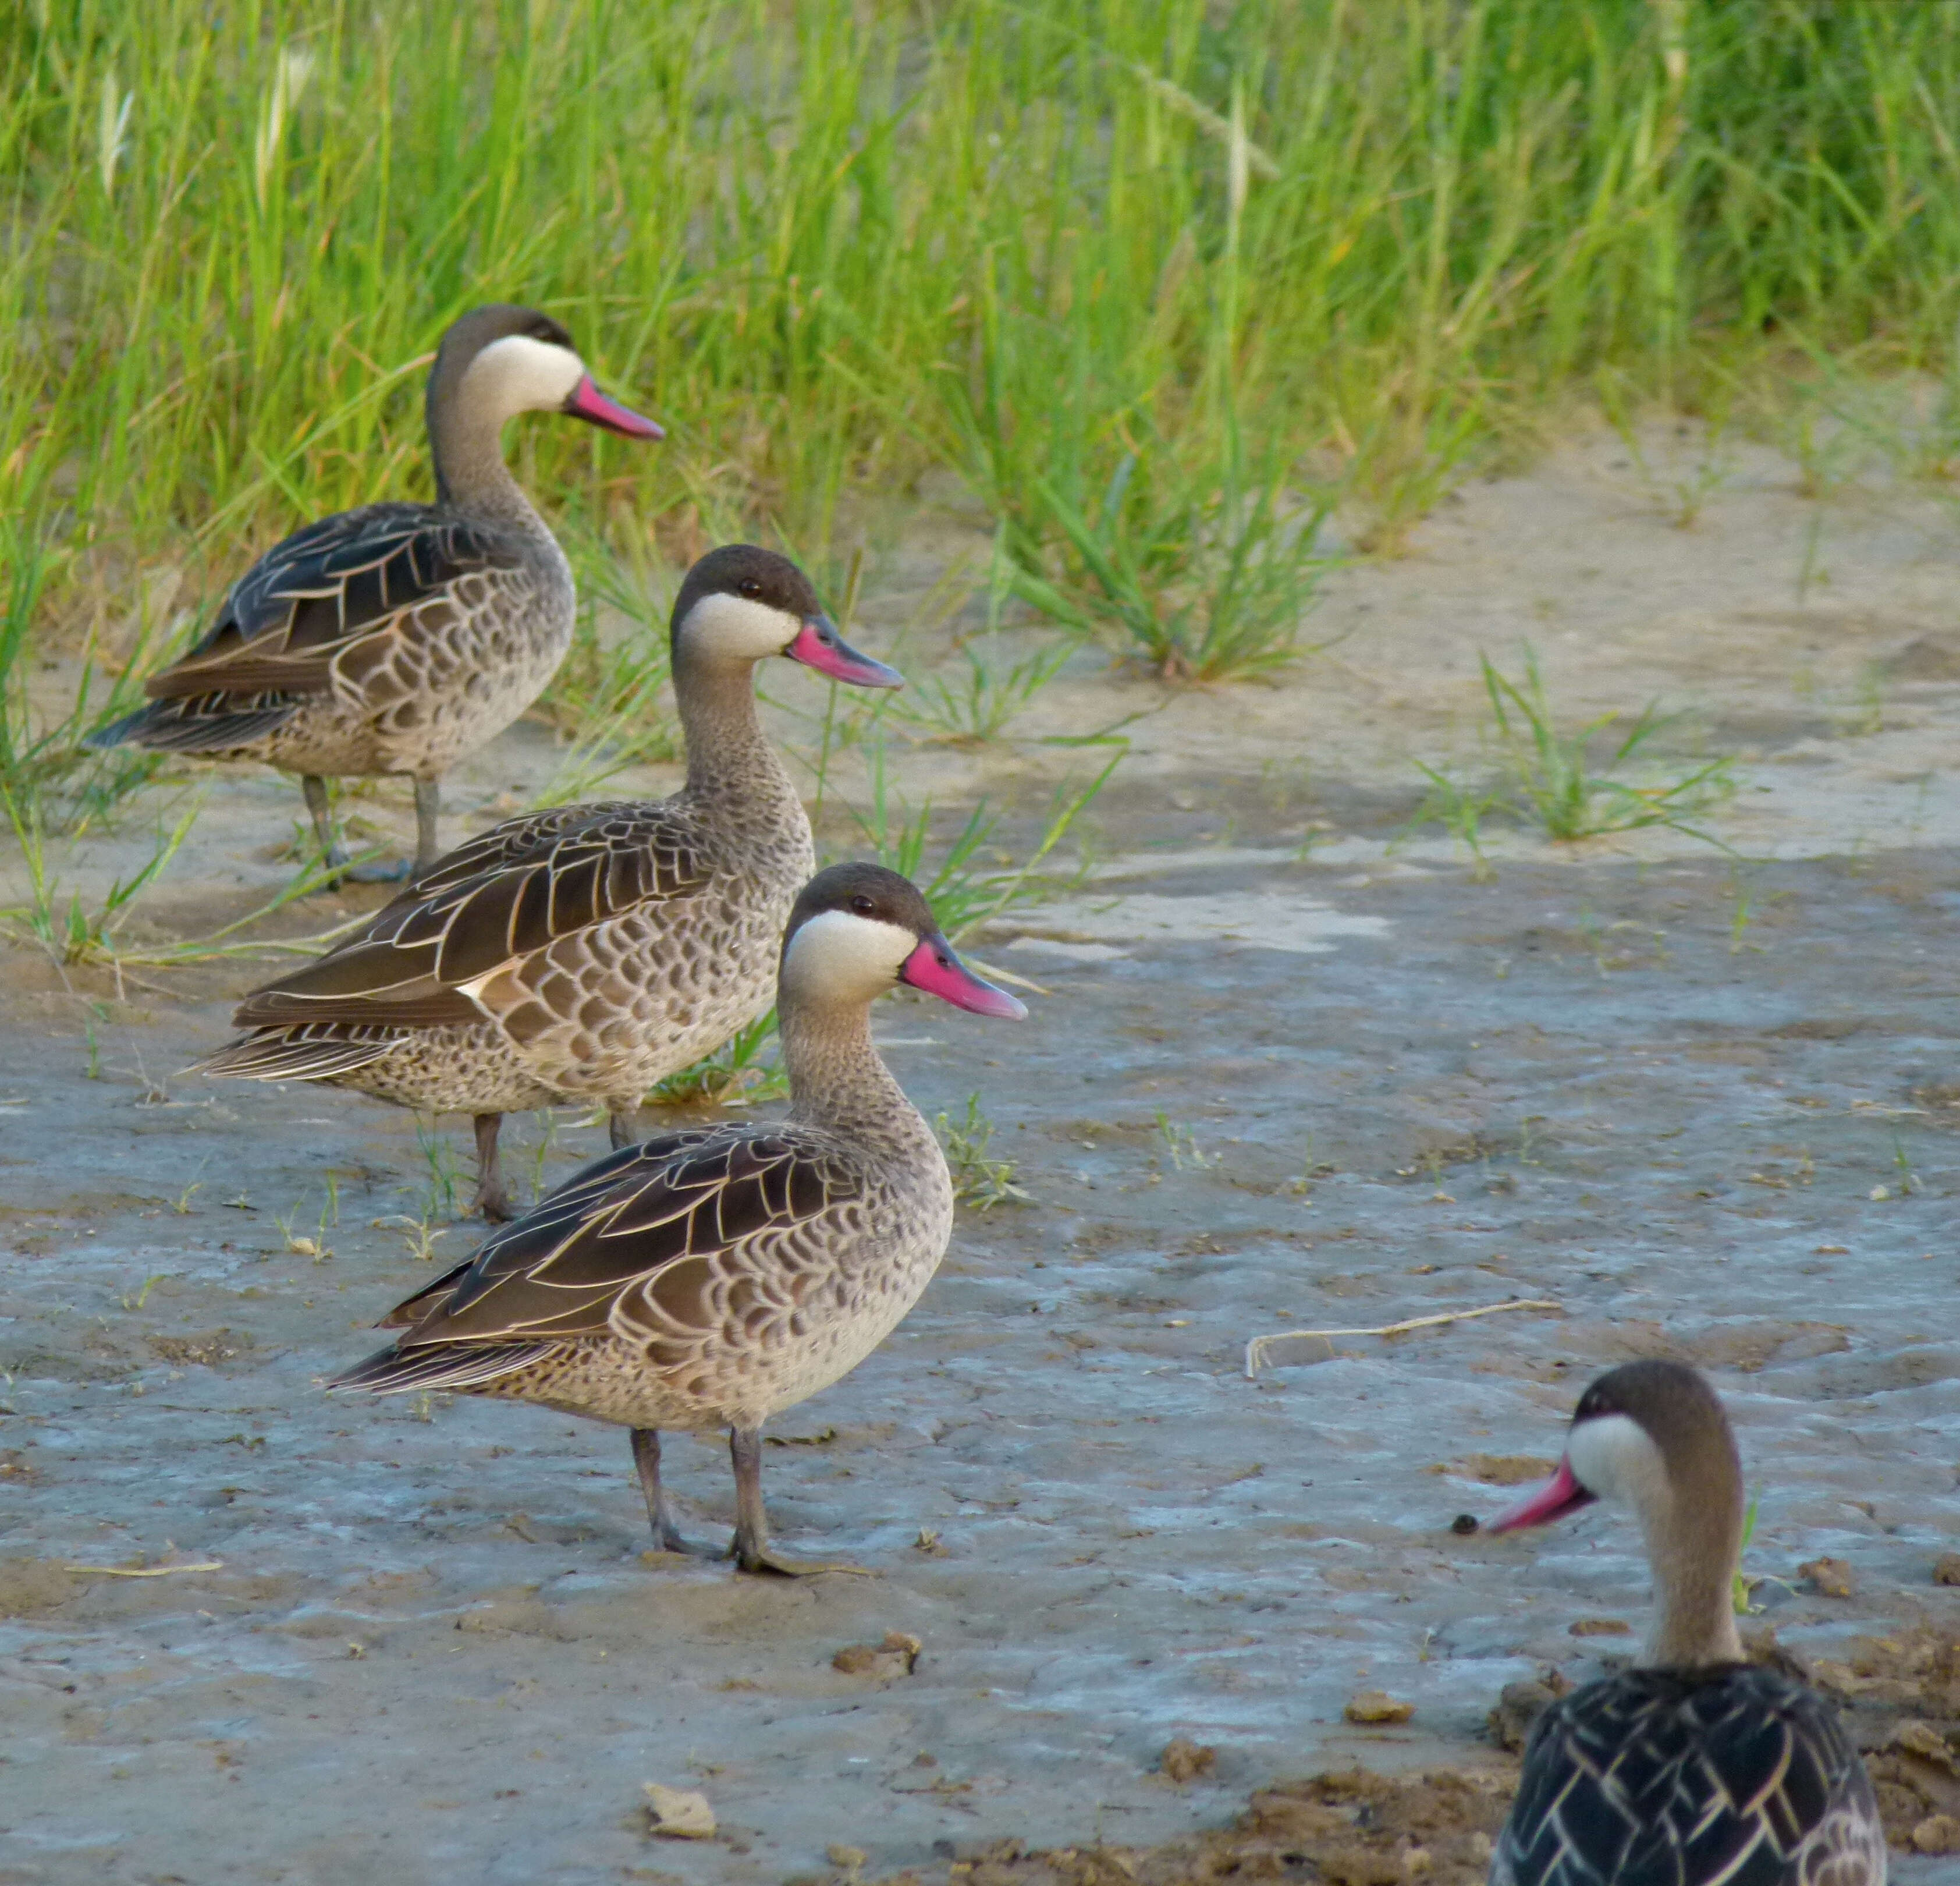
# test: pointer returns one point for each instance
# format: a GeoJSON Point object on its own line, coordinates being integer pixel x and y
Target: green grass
{"type": "Point", "coordinates": [737, 1074]}
{"type": "Point", "coordinates": [1566, 782]}
{"type": "Point", "coordinates": [980, 1181]}
{"type": "Point", "coordinates": [1557, 781]}
{"type": "Point", "coordinates": [1156, 282]}
{"type": "Point", "coordinates": [1250, 252]}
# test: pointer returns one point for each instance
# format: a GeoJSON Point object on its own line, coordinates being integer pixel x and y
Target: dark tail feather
{"type": "Point", "coordinates": [165, 727]}
{"type": "Point", "coordinates": [439, 1365]}
{"type": "Point", "coordinates": [278, 1056]}
{"type": "Point", "coordinates": [430, 1300]}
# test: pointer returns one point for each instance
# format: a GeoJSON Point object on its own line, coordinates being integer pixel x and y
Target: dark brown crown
{"type": "Point", "coordinates": [749, 571]}
{"type": "Point", "coordinates": [865, 890]}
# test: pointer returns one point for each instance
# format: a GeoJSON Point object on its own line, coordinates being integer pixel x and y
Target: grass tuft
{"type": "Point", "coordinates": [980, 1182]}
{"type": "Point", "coordinates": [1551, 780]}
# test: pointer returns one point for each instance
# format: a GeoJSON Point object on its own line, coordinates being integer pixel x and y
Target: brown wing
{"type": "Point", "coordinates": [514, 891]}
{"type": "Point", "coordinates": [333, 592]}
{"type": "Point", "coordinates": [633, 1244]}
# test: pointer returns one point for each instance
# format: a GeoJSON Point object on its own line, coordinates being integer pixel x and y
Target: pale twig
{"type": "Point", "coordinates": [1008, 976]}
{"type": "Point", "coordinates": [1255, 1350]}
{"type": "Point", "coordinates": [145, 1571]}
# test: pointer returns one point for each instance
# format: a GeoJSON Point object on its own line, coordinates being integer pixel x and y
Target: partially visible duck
{"type": "Point", "coordinates": [712, 1278]}
{"type": "Point", "coordinates": [399, 638]}
{"type": "Point", "coordinates": [585, 953]}
{"type": "Point", "coordinates": [1694, 1767]}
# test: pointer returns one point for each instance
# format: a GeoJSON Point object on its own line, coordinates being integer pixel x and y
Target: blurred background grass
{"type": "Point", "coordinates": [1139, 272]}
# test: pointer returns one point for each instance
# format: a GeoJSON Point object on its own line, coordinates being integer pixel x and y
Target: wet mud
{"type": "Point", "coordinates": [1293, 1067]}
{"type": "Point", "coordinates": [1576, 1085]}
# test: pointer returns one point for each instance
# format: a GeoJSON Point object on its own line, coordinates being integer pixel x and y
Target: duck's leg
{"type": "Point", "coordinates": [314, 789]}
{"type": "Point", "coordinates": [428, 811]}
{"type": "Point", "coordinates": [659, 1514]}
{"type": "Point", "coordinates": [492, 1199]}
{"type": "Point", "coordinates": [335, 860]}
{"type": "Point", "coordinates": [620, 1124]}
{"type": "Point", "coordinates": [752, 1551]}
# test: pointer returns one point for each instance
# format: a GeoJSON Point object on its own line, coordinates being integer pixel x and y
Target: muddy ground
{"type": "Point", "coordinates": [1295, 1068]}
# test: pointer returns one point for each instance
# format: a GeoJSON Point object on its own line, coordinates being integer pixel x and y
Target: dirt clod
{"type": "Point", "coordinates": [1937, 1834]}
{"type": "Point", "coordinates": [1376, 1706]}
{"type": "Point", "coordinates": [1947, 1570]}
{"type": "Point", "coordinates": [1600, 1627]}
{"type": "Point", "coordinates": [205, 1350]}
{"type": "Point", "coordinates": [1350, 1829]}
{"type": "Point", "coordinates": [1184, 1760]}
{"type": "Point", "coordinates": [896, 1656]}
{"type": "Point", "coordinates": [1519, 1707]}
{"type": "Point", "coordinates": [1503, 1470]}
{"type": "Point", "coordinates": [678, 1813]}
{"type": "Point", "coordinates": [1832, 1577]}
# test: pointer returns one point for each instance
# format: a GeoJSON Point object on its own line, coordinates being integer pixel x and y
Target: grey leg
{"type": "Point", "coordinates": [752, 1551]}
{"type": "Point", "coordinates": [428, 811]}
{"type": "Point", "coordinates": [619, 1129]}
{"type": "Point", "coordinates": [331, 855]}
{"type": "Point", "coordinates": [491, 1199]}
{"type": "Point", "coordinates": [314, 788]}
{"type": "Point", "coordinates": [659, 1514]}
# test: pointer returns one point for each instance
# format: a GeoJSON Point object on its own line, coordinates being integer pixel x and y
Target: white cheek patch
{"type": "Point", "coordinates": [839, 952]}
{"type": "Point", "coordinates": [518, 374]}
{"type": "Point", "coordinates": [734, 629]}
{"type": "Point", "coordinates": [1613, 1456]}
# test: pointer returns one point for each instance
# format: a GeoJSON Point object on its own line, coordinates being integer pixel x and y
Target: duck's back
{"type": "Point", "coordinates": [1732, 1777]}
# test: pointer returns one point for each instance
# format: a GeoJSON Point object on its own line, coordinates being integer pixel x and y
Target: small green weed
{"type": "Point", "coordinates": [1554, 776]}
{"type": "Point", "coordinates": [1460, 809]}
{"type": "Point", "coordinates": [419, 1234]}
{"type": "Point", "coordinates": [1742, 1593]}
{"type": "Point", "coordinates": [313, 1244]}
{"type": "Point", "coordinates": [440, 1157]}
{"type": "Point", "coordinates": [132, 1304]}
{"type": "Point", "coordinates": [1550, 779]}
{"type": "Point", "coordinates": [964, 892]}
{"type": "Point", "coordinates": [1207, 577]}
{"type": "Point", "coordinates": [982, 703]}
{"type": "Point", "coordinates": [1181, 1144]}
{"type": "Point", "coordinates": [979, 1182]}
{"type": "Point", "coordinates": [74, 934]}
{"type": "Point", "coordinates": [735, 1075]}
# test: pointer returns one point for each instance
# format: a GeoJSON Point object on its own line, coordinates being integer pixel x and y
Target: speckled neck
{"type": "Point", "coordinates": [838, 1080]}
{"type": "Point", "coordinates": [466, 442]}
{"type": "Point", "coordinates": [728, 756]}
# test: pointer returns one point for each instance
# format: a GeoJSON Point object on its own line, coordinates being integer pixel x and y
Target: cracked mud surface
{"type": "Point", "coordinates": [1563, 1084]}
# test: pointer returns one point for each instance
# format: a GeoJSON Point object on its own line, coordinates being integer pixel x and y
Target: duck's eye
{"type": "Point", "coordinates": [751, 588]}
{"type": "Point", "coordinates": [863, 905]}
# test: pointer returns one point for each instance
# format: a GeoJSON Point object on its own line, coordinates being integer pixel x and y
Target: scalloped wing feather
{"type": "Point", "coordinates": [549, 876]}
{"type": "Point", "coordinates": [335, 593]}
{"type": "Point", "coordinates": [632, 1245]}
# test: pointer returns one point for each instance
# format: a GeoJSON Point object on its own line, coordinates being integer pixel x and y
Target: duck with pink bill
{"type": "Point", "coordinates": [585, 953]}
{"type": "Point", "coordinates": [1694, 1767]}
{"type": "Point", "coordinates": [399, 638]}
{"type": "Point", "coordinates": [713, 1277]}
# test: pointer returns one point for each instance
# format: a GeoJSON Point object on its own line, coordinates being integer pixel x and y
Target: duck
{"type": "Point", "coordinates": [398, 638]}
{"type": "Point", "coordinates": [587, 952]}
{"type": "Point", "coordinates": [1693, 1766]}
{"type": "Point", "coordinates": [711, 1277]}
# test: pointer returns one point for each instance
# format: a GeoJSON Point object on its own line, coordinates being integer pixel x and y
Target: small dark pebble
{"type": "Point", "coordinates": [1464, 1522]}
